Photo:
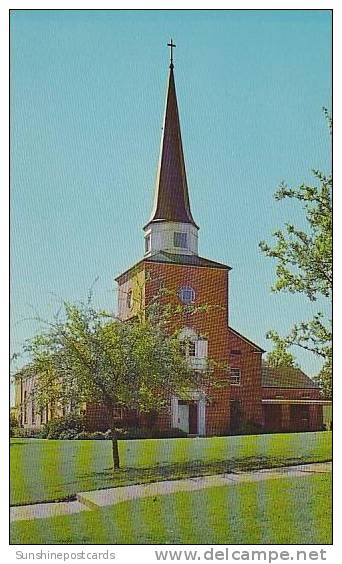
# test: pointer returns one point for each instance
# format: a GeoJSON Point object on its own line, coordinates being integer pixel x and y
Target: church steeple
{"type": "Point", "coordinates": [171, 209]}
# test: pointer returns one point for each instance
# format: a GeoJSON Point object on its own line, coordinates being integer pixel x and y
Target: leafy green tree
{"type": "Point", "coordinates": [280, 356]}
{"type": "Point", "coordinates": [91, 356]}
{"type": "Point", "coordinates": [304, 266]}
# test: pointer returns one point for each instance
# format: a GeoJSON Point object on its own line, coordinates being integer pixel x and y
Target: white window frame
{"type": "Point", "coordinates": [235, 376]}
{"type": "Point", "coordinates": [147, 243]}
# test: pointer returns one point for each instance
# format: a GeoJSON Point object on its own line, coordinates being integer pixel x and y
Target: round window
{"type": "Point", "coordinates": [187, 295]}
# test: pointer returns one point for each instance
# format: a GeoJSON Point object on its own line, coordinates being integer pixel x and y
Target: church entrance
{"type": "Point", "coordinates": [188, 417]}
{"type": "Point", "coordinates": [193, 418]}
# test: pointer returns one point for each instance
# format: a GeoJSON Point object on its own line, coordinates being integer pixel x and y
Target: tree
{"type": "Point", "coordinates": [280, 356]}
{"type": "Point", "coordinates": [91, 356]}
{"type": "Point", "coordinates": [304, 265]}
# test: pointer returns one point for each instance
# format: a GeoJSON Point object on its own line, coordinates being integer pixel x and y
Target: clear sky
{"type": "Point", "coordinates": [87, 101]}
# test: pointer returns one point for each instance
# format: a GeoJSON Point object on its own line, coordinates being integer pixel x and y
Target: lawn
{"type": "Point", "coordinates": [45, 470]}
{"type": "Point", "coordinates": [276, 511]}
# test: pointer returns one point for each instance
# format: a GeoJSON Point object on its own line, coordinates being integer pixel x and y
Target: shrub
{"type": "Point", "coordinates": [99, 436]}
{"type": "Point", "coordinates": [83, 435]}
{"type": "Point", "coordinates": [127, 433]}
{"type": "Point", "coordinates": [72, 424]}
{"type": "Point", "coordinates": [13, 423]}
{"type": "Point", "coordinates": [135, 433]}
{"type": "Point", "coordinates": [248, 428]}
{"type": "Point", "coordinates": [171, 434]}
{"type": "Point", "coordinates": [26, 433]}
{"type": "Point", "coordinates": [67, 435]}
{"type": "Point", "coordinates": [87, 436]}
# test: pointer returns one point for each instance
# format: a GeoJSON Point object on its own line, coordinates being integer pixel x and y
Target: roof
{"type": "Point", "coordinates": [285, 377]}
{"type": "Point", "coordinates": [259, 349]}
{"type": "Point", "coordinates": [191, 260]}
{"type": "Point", "coordinates": [171, 201]}
{"type": "Point", "coordinates": [172, 258]}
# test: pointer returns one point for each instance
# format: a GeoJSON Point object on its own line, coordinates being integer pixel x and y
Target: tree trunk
{"type": "Point", "coordinates": [115, 449]}
{"type": "Point", "coordinates": [115, 444]}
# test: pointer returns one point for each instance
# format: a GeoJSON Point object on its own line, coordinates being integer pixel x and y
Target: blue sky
{"type": "Point", "coordinates": [87, 101]}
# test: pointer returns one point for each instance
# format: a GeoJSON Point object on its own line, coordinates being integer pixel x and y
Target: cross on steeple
{"type": "Point", "coordinates": [171, 45]}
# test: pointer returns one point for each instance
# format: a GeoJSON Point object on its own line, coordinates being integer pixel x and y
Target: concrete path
{"type": "Point", "coordinates": [42, 510]}
{"type": "Point", "coordinates": [96, 499]}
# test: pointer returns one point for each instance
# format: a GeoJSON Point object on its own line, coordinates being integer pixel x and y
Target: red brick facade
{"type": "Point", "coordinates": [235, 404]}
{"type": "Point", "coordinates": [225, 346]}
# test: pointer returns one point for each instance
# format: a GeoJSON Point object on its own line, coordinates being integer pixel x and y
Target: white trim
{"type": "Point", "coordinates": [201, 421]}
{"type": "Point", "coordinates": [163, 235]}
{"type": "Point", "coordinates": [174, 412]}
{"type": "Point", "coordinates": [297, 401]}
{"type": "Point", "coordinates": [201, 417]}
{"type": "Point", "coordinates": [201, 348]}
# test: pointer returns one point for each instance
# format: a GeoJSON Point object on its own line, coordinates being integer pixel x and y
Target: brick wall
{"type": "Point", "coordinates": [243, 355]}
{"type": "Point", "coordinates": [211, 289]}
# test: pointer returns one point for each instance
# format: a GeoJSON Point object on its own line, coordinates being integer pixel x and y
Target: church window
{"type": "Point", "coordinates": [147, 243]}
{"type": "Point", "coordinates": [235, 376]}
{"type": "Point", "coordinates": [187, 295]}
{"type": "Point", "coordinates": [180, 240]}
{"type": "Point", "coordinates": [188, 348]}
{"type": "Point", "coordinates": [130, 299]}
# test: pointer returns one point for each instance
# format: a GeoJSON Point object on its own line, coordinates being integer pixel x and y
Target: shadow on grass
{"type": "Point", "coordinates": [128, 475]}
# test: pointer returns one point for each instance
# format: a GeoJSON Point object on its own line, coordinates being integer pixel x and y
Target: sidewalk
{"type": "Point", "coordinates": [87, 501]}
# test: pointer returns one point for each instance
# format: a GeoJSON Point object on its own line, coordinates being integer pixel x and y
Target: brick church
{"type": "Point", "coordinates": [282, 399]}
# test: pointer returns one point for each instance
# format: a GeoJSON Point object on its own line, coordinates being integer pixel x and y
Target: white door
{"type": "Point", "coordinates": [183, 417]}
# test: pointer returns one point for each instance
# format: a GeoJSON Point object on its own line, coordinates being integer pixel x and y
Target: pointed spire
{"type": "Point", "coordinates": [171, 195]}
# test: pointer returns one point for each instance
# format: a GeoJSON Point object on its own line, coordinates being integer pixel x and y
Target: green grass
{"type": "Point", "coordinates": [46, 470]}
{"type": "Point", "coordinates": [327, 415]}
{"type": "Point", "coordinates": [275, 511]}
